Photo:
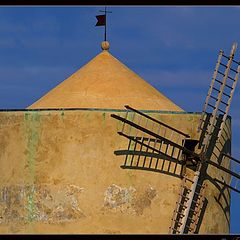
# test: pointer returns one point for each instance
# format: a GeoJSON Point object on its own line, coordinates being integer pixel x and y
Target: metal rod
{"type": "Point", "coordinates": [105, 32]}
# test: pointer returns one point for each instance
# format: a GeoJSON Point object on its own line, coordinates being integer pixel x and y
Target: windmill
{"type": "Point", "coordinates": [151, 141]}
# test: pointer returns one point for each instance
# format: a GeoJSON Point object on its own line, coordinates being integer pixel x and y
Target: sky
{"type": "Point", "coordinates": [174, 48]}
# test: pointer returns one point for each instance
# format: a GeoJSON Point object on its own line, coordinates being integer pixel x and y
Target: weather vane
{"type": "Point", "coordinates": [102, 21]}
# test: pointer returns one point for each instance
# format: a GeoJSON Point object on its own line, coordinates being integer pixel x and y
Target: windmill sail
{"type": "Point", "coordinates": [219, 97]}
{"type": "Point", "coordinates": [212, 121]}
{"type": "Point", "coordinates": [189, 206]}
{"type": "Point", "coordinates": [215, 113]}
{"type": "Point", "coordinates": [231, 167]}
{"type": "Point", "coordinates": [150, 141]}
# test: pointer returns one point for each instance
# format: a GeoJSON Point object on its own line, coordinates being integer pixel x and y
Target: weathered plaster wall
{"type": "Point", "coordinates": [59, 175]}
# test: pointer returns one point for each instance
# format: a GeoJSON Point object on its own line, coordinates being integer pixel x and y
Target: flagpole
{"type": "Point", "coordinates": [105, 34]}
{"type": "Point", "coordinates": [101, 24]}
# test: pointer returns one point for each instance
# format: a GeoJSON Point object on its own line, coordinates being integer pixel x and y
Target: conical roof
{"type": "Point", "coordinates": [104, 82]}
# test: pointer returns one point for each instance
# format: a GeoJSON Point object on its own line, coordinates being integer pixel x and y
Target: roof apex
{"type": "Point", "coordinates": [105, 82]}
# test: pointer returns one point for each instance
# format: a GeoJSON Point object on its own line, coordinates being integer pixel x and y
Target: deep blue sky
{"type": "Point", "coordinates": [173, 48]}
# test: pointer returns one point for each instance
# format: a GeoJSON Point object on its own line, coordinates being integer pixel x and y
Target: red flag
{"type": "Point", "coordinates": [101, 20]}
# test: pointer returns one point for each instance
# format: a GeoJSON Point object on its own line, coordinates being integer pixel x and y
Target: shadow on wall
{"type": "Point", "coordinates": [139, 155]}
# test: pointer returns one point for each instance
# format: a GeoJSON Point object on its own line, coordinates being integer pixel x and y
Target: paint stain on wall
{"type": "Point", "coordinates": [62, 115]}
{"type": "Point", "coordinates": [144, 200]}
{"type": "Point", "coordinates": [128, 200]}
{"type": "Point", "coordinates": [32, 125]}
{"type": "Point", "coordinates": [43, 203]}
{"type": "Point", "coordinates": [104, 119]}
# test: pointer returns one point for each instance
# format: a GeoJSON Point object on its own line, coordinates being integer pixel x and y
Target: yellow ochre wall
{"type": "Point", "coordinates": [59, 174]}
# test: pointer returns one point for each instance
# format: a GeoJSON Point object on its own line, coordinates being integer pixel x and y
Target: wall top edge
{"type": "Point", "coordinates": [93, 109]}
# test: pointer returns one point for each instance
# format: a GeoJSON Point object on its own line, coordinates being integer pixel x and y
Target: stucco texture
{"type": "Point", "coordinates": [105, 82]}
{"type": "Point", "coordinates": [59, 174]}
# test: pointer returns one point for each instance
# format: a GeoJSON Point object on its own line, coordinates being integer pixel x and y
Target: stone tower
{"type": "Point", "coordinates": [59, 173]}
